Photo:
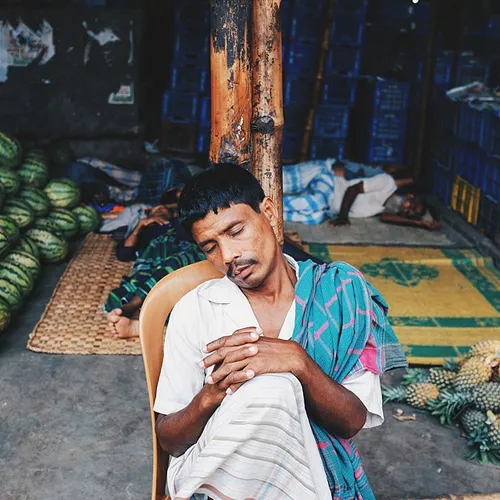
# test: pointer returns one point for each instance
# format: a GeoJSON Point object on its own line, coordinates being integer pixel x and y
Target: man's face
{"type": "Point", "coordinates": [411, 207]}
{"type": "Point", "coordinates": [159, 211]}
{"type": "Point", "coordinates": [240, 242]}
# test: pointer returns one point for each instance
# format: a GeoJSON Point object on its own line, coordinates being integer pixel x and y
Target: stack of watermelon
{"type": "Point", "coordinates": [38, 216]}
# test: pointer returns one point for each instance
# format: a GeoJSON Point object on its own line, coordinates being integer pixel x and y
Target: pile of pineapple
{"type": "Point", "coordinates": [465, 391]}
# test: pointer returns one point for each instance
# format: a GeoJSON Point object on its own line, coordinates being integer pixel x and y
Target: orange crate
{"type": "Point", "coordinates": [465, 199]}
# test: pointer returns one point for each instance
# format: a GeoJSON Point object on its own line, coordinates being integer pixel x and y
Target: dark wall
{"type": "Point", "coordinates": [68, 96]}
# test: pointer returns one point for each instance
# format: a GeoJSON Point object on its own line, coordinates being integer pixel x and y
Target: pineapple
{"type": "Point", "coordinates": [453, 364]}
{"type": "Point", "coordinates": [482, 449]}
{"type": "Point", "coordinates": [442, 378]}
{"type": "Point", "coordinates": [486, 349]}
{"type": "Point", "coordinates": [471, 420]}
{"type": "Point", "coordinates": [393, 394]}
{"type": "Point", "coordinates": [419, 394]}
{"type": "Point", "coordinates": [496, 374]}
{"type": "Point", "coordinates": [413, 375]}
{"type": "Point", "coordinates": [475, 371]}
{"type": "Point", "coordinates": [448, 405]}
{"type": "Point", "coordinates": [494, 431]}
{"type": "Point", "coordinates": [486, 397]}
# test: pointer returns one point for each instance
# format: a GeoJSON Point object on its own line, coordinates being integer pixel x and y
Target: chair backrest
{"type": "Point", "coordinates": [155, 310]}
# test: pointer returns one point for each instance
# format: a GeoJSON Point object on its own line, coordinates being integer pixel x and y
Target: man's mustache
{"type": "Point", "coordinates": [239, 264]}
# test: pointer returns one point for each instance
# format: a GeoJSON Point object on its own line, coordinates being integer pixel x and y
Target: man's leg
{"type": "Point", "coordinates": [258, 444]}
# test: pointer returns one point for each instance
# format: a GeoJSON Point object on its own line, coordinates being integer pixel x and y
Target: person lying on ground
{"type": "Point", "coordinates": [269, 372]}
{"type": "Point", "coordinates": [367, 197]}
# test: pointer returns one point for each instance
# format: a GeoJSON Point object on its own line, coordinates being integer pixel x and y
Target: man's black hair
{"type": "Point", "coordinates": [215, 188]}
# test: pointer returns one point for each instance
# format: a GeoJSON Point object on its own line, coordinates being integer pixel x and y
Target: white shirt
{"type": "Point", "coordinates": [377, 190]}
{"type": "Point", "coordinates": [214, 309]}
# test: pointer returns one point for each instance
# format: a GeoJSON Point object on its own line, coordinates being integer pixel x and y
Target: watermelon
{"type": "Point", "coordinates": [36, 154]}
{"type": "Point", "coordinates": [10, 181]}
{"type": "Point", "coordinates": [17, 275]}
{"type": "Point", "coordinates": [5, 315]}
{"type": "Point", "coordinates": [2, 195]}
{"type": "Point", "coordinates": [10, 293]}
{"type": "Point", "coordinates": [5, 241]}
{"type": "Point", "coordinates": [27, 261]}
{"type": "Point", "coordinates": [63, 193]}
{"type": "Point", "coordinates": [11, 228]}
{"type": "Point", "coordinates": [66, 222]}
{"type": "Point", "coordinates": [48, 225]}
{"type": "Point", "coordinates": [36, 199]}
{"type": "Point", "coordinates": [89, 219]}
{"type": "Point", "coordinates": [34, 172]}
{"type": "Point", "coordinates": [61, 155]}
{"type": "Point", "coordinates": [26, 244]}
{"type": "Point", "coordinates": [53, 248]}
{"type": "Point", "coordinates": [19, 211]}
{"type": "Point", "coordinates": [10, 151]}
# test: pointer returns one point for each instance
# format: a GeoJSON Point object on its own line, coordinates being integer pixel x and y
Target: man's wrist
{"type": "Point", "coordinates": [301, 363]}
{"type": "Point", "coordinates": [210, 399]}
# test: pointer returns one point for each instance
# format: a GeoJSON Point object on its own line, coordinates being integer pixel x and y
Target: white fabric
{"type": "Point", "coordinates": [216, 308]}
{"type": "Point", "coordinates": [377, 190]}
{"type": "Point", "coordinates": [130, 217]}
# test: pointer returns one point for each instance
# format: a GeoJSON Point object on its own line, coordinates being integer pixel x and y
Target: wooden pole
{"type": "Point", "coordinates": [230, 81]}
{"type": "Point", "coordinates": [267, 101]}
{"type": "Point", "coordinates": [318, 82]}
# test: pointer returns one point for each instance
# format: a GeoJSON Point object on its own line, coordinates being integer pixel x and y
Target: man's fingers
{"type": "Point", "coordinates": [239, 337]}
{"type": "Point", "coordinates": [229, 355]}
{"type": "Point", "coordinates": [225, 370]}
{"type": "Point", "coordinates": [232, 389]}
{"type": "Point", "coordinates": [236, 378]}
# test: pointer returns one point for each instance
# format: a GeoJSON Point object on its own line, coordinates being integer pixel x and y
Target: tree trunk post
{"type": "Point", "coordinates": [231, 77]}
{"type": "Point", "coordinates": [267, 102]}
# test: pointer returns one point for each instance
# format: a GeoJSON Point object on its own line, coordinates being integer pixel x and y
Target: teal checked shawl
{"type": "Point", "coordinates": [341, 322]}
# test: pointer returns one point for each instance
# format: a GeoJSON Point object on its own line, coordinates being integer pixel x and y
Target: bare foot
{"type": "Point", "coordinates": [113, 317]}
{"type": "Point", "coordinates": [126, 328]}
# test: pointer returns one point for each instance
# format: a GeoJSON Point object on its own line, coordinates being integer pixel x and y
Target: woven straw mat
{"type": "Point", "coordinates": [74, 322]}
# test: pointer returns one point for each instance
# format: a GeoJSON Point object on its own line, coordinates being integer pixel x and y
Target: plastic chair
{"type": "Point", "coordinates": [155, 310]}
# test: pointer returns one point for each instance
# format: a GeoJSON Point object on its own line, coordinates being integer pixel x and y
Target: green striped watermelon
{"type": "Point", "coordinates": [10, 151]}
{"type": "Point", "coordinates": [48, 225]}
{"type": "Point", "coordinates": [26, 244]}
{"type": "Point", "coordinates": [27, 261]}
{"type": "Point", "coordinates": [11, 294]}
{"type": "Point", "coordinates": [52, 247]}
{"type": "Point", "coordinates": [34, 172]}
{"type": "Point", "coordinates": [63, 193]}
{"type": "Point", "coordinates": [5, 241]}
{"type": "Point", "coordinates": [2, 195]}
{"type": "Point", "coordinates": [17, 275]}
{"type": "Point", "coordinates": [10, 181]}
{"type": "Point", "coordinates": [37, 154]}
{"type": "Point", "coordinates": [61, 155]}
{"type": "Point", "coordinates": [11, 228]}
{"type": "Point", "coordinates": [66, 222]}
{"type": "Point", "coordinates": [36, 199]}
{"type": "Point", "coordinates": [89, 219]}
{"type": "Point", "coordinates": [5, 315]}
{"type": "Point", "coordinates": [19, 211]}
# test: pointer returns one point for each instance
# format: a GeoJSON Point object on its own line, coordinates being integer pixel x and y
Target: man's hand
{"type": "Point", "coordinates": [432, 225]}
{"type": "Point", "coordinates": [339, 221]}
{"type": "Point", "coordinates": [241, 356]}
{"type": "Point", "coordinates": [152, 220]}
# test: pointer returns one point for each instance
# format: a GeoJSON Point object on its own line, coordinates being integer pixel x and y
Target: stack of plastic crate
{"type": "Point", "coordinates": [332, 118]}
{"type": "Point", "coordinates": [302, 25]}
{"type": "Point", "coordinates": [189, 77]}
{"type": "Point", "coordinates": [381, 117]}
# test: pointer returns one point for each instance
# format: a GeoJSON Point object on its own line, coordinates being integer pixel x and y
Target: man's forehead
{"type": "Point", "coordinates": [224, 218]}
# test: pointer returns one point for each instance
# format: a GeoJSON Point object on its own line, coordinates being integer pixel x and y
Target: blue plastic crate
{"type": "Point", "coordinates": [203, 143]}
{"type": "Point", "coordinates": [193, 16]}
{"type": "Point", "coordinates": [469, 163]}
{"type": "Point", "coordinates": [388, 11]}
{"type": "Point", "coordinates": [471, 122]}
{"type": "Point", "coordinates": [327, 147]}
{"type": "Point", "coordinates": [442, 70]}
{"type": "Point", "coordinates": [490, 139]}
{"type": "Point", "coordinates": [388, 124]}
{"type": "Point", "coordinates": [297, 90]}
{"type": "Point", "coordinates": [339, 90]}
{"type": "Point", "coordinates": [205, 117]}
{"type": "Point", "coordinates": [180, 107]}
{"type": "Point", "coordinates": [295, 117]}
{"type": "Point", "coordinates": [494, 27]}
{"type": "Point", "coordinates": [443, 150]}
{"type": "Point", "coordinates": [343, 61]}
{"type": "Point", "coordinates": [191, 47]}
{"type": "Point", "coordinates": [306, 22]}
{"type": "Point", "coordinates": [446, 112]}
{"type": "Point", "coordinates": [291, 146]}
{"type": "Point", "coordinates": [302, 59]}
{"type": "Point", "coordinates": [389, 95]}
{"type": "Point", "coordinates": [332, 121]}
{"type": "Point", "coordinates": [443, 182]}
{"type": "Point", "coordinates": [350, 6]}
{"type": "Point", "coordinates": [385, 150]}
{"type": "Point", "coordinates": [348, 29]}
{"type": "Point", "coordinates": [489, 218]}
{"type": "Point", "coordinates": [491, 181]}
{"type": "Point", "coordinates": [472, 69]}
{"type": "Point", "coordinates": [189, 78]}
